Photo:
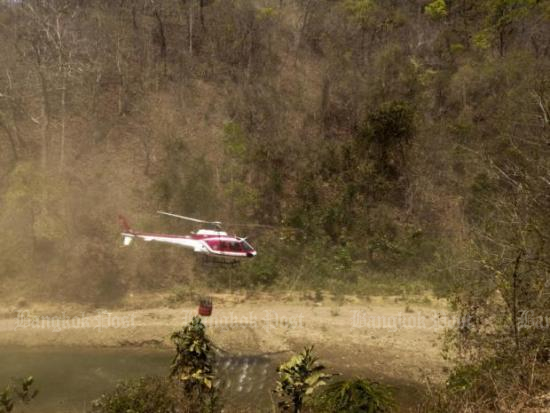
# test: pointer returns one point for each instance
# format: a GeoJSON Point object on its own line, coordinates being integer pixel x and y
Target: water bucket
{"type": "Point", "coordinates": [205, 306]}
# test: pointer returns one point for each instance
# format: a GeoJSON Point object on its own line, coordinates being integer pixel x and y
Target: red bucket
{"type": "Point", "coordinates": [205, 307]}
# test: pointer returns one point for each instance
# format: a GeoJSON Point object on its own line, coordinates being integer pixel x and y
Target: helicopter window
{"type": "Point", "coordinates": [246, 246]}
{"type": "Point", "coordinates": [235, 246]}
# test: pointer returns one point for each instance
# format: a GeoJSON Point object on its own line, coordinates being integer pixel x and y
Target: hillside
{"type": "Point", "coordinates": [392, 147]}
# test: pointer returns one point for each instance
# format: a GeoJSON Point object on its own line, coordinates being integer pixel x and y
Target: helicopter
{"type": "Point", "coordinates": [211, 243]}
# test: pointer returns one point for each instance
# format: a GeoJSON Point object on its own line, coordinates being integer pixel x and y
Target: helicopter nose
{"type": "Point", "coordinates": [251, 254]}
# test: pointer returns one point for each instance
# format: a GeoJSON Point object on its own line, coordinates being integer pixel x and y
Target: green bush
{"type": "Point", "coordinates": [436, 9]}
{"type": "Point", "coordinates": [22, 392]}
{"type": "Point", "coordinates": [189, 388]}
{"type": "Point", "coordinates": [298, 378]}
{"type": "Point", "coordinates": [355, 396]}
{"type": "Point", "coordinates": [144, 395]}
{"type": "Point", "coordinates": [194, 359]}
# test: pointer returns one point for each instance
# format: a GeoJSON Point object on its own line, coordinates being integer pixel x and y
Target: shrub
{"type": "Point", "coordinates": [22, 392]}
{"type": "Point", "coordinates": [193, 362]}
{"type": "Point", "coordinates": [144, 395]}
{"type": "Point", "coordinates": [299, 377]}
{"type": "Point", "coordinates": [356, 395]}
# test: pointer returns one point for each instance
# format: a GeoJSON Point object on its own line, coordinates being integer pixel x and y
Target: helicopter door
{"type": "Point", "coordinates": [214, 244]}
{"type": "Point", "coordinates": [224, 246]}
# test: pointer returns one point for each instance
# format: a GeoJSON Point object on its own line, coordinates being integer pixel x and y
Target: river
{"type": "Point", "coordinates": [68, 379]}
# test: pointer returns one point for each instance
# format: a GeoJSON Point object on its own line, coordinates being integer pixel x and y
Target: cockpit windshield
{"type": "Point", "coordinates": [246, 246]}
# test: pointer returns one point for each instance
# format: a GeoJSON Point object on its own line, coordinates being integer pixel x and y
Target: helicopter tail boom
{"type": "Point", "coordinates": [127, 239]}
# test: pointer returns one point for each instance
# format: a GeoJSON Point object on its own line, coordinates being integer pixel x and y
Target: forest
{"type": "Point", "coordinates": [380, 146]}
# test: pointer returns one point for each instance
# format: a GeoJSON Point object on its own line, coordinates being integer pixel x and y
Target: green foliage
{"type": "Point", "coordinates": [483, 39]}
{"type": "Point", "coordinates": [193, 362]}
{"type": "Point", "coordinates": [243, 197]}
{"type": "Point", "coordinates": [500, 15]}
{"type": "Point", "coordinates": [476, 386]}
{"type": "Point", "coordinates": [189, 387]}
{"type": "Point", "coordinates": [6, 402]}
{"type": "Point", "coordinates": [298, 378]}
{"type": "Point", "coordinates": [262, 272]}
{"type": "Point", "coordinates": [234, 140]}
{"type": "Point", "coordinates": [266, 13]}
{"type": "Point", "coordinates": [463, 378]}
{"type": "Point", "coordinates": [457, 48]}
{"type": "Point", "coordinates": [21, 391]}
{"type": "Point", "coordinates": [360, 10]}
{"type": "Point", "coordinates": [356, 395]}
{"type": "Point", "coordinates": [437, 9]}
{"type": "Point", "coordinates": [144, 395]}
{"type": "Point", "coordinates": [390, 125]}
{"type": "Point", "coordinates": [386, 132]}
{"type": "Point", "coordinates": [504, 12]}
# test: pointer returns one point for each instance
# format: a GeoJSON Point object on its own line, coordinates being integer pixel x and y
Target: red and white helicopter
{"type": "Point", "coordinates": [208, 242]}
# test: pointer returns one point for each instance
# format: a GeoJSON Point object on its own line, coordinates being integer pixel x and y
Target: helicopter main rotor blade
{"type": "Point", "coordinates": [264, 226]}
{"type": "Point", "coordinates": [189, 218]}
{"type": "Point", "coordinates": [252, 225]}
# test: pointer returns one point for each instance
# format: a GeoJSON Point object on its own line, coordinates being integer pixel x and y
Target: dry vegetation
{"type": "Point", "coordinates": [407, 141]}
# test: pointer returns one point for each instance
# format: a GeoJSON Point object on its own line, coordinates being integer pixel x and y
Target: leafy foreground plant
{"type": "Point", "coordinates": [298, 378]}
{"type": "Point", "coordinates": [189, 387]}
{"type": "Point", "coordinates": [355, 396]}
{"type": "Point", "coordinates": [194, 357]}
{"type": "Point", "coordinates": [193, 364]}
{"type": "Point", "coordinates": [11, 394]}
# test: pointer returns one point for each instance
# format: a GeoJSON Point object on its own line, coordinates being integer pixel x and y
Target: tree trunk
{"type": "Point", "coordinates": [120, 77]}
{"type": "Point", "coordinates": [302, 30]}
{"type": "Point", "coordinates": [325, 100]}
{"type": "Point", "coordinates": [45, 121]}
{"type": "Point", "coordinates": [190, 27]}
{"type": "Point", "coordinates": [201, 13]}
{"type": "Point", "coordinates": [162, 40]}
{"type": "Point", "coordinates": [63, 119]}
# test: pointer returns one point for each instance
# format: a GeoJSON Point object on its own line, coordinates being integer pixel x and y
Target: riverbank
{"type": "Point", "coordinates": [383, 335]}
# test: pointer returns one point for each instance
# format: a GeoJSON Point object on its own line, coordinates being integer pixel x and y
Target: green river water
{"type": "Point", "coordinates": [69, 378]}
